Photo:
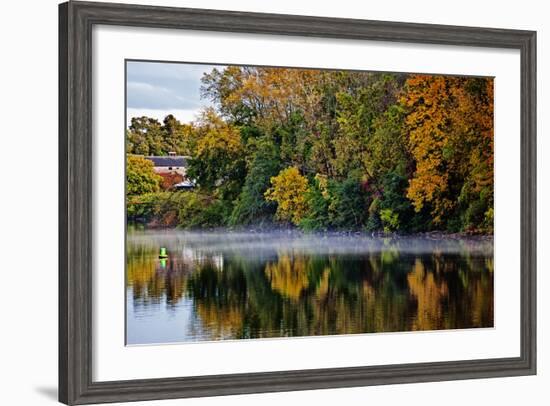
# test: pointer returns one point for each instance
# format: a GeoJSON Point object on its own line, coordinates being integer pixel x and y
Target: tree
{"type": "Point", "coordinates": [144, 137]}
{"type": "Point", "coordinates": [140, 176]}
{"type": "Point", "coordinates": [177, 137]}
{"type": "Point", "coordinates": [147, 136]}
{"type": "Point", "coordinates": [389, 152]}
{"type": "Point", "coordinates": [218, 158]}
{"type": "Point", "coordinates": [363, 131]}
{"type": "Point", "coordinates": [348, 204]}
{"type": "Point", "coordinates": [288, 190]}
{"type": "Point", "coordinates": [450, 127]}
{"type": "Point", "coordinates": [318, 198]}
{"type": "Point", "coordinates": [251, 207]}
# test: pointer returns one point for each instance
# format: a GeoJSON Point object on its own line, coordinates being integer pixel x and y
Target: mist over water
{"type": "Point", "coordinates": [235, 285]}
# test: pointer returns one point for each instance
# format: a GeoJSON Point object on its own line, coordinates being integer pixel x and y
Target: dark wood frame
{"type": "Point", "coordinates": [76, 20]}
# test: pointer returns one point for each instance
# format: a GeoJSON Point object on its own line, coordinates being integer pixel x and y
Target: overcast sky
{"type": "Point", "coordinates": [156, 89]}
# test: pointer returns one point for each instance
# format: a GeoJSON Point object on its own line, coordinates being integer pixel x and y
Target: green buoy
{"type": "Point", "coordinates": [163, 253]}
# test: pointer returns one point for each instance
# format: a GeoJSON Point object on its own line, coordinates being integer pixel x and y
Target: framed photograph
{"type": "Point", "coordinates": [259, 202]}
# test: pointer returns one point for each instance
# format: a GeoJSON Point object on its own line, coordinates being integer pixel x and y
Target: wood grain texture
{"type": "Point", "coordinates": [76, 20]}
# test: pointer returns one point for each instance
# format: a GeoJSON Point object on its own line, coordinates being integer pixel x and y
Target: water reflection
{"type": "Point", "coordinates": [230, 286]}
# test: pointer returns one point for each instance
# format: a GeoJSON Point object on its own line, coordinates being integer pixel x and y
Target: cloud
{"type": "Point", "coordinates": [147, 95]}
{"type": "Point", "coordinates": [165, 86]}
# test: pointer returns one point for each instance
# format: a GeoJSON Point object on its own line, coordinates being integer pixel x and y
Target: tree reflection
{"type": "Point", "coordinates": [295, 293]}
{"type": "Point", "coordinates": [430, 296]}
{"type": "Point", "coordinates": [288, 275]}
{"type": "Point", "coordinates": [153, 280]}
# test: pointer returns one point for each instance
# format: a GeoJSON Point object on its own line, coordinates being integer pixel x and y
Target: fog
{"type": "Point", "coordinates": [259, 244]}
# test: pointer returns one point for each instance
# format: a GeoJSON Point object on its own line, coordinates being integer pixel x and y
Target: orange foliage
{"type": "Point", "coordinates": [450, 126]}
{"type": "Point", "coordinates": [169, 179]}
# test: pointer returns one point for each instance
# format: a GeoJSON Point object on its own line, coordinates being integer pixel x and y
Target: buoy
{"type": "Point", "coordinates": [163, 253]}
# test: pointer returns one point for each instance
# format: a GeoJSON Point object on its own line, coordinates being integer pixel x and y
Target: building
{"type": "Point", "coordinates": [173, 169]}
{"type": "Point", "coordinates": [171, 163]}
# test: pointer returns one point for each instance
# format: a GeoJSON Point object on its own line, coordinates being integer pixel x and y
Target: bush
{"type": "Point", "coordinates": [203, 210]}
{"type": "Point", "coordinates": [475, 214]}
{"type": "Point", "coordinates": [142, 208]}
{"type": "Point", "coordinates": [188, 209]}
{"type": "Point", "coordinates": [156, 209]}
{"type": "Point", "coordinates": [390, 220]}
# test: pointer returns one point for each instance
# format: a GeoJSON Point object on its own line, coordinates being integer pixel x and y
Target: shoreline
{"type": "Point", "coordinates": [294, 231]}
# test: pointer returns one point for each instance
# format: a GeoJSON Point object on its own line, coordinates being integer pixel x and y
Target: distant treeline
{"type": "Point", "coordinates": [325, 150]}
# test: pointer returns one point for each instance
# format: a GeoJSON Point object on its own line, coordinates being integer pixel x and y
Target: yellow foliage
{"type": "Point", "coordinates": [288, 190]}
{"type": "Point", "coordinates": [275, 93]}
{"type": "Point", "coordinates": [322, 181]}
{"type": "Point", "coordinates": [323, 285]}
{"type": "Point", "coordinates": [221, 322]}
{"type": "Point", "coordinates": [216, 134]}
{"type": "Point", "coordinates": [430, 295]}
{"type": "Point", "coordinates": [288, 276]}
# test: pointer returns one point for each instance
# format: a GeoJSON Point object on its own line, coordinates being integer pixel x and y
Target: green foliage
{"type": "Point", "coordinates": [250, 206]}
{"type": "Point", "coordinates": [317, 217]}
{"type": "Point", "coordinates": [187, 209]}
{"type": "Point", "coordinates": [488, 220]}
{"type": "Point", "coordinates": [145, 207]}
{"type": "Point", "coordinates": [293, 137]}
{"type": "Point", "coordinates": [158, 209]}
{"type": "Point", "coordinates": [335, 205]}
{"type": "Point", "coordinates": [147, 136]}
{"type": "Point", "coordinates": [374, 223]}
{"type": "Point", "coordinates": [394, 187]}
{"type": "Point", "coordinates": [390, 220]}
{"type": "Point", "coordinates": [140, 176]}
{"type": "Point", "coordinates": [218, 159]}
{"type": "Point", "coordinates": [200, 210]}
{"type": "Point", "coordinates": [348, 204]}
{"type": "Point", "coordinates": [369, 124]}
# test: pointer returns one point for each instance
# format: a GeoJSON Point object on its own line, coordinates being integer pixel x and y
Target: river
{"type": "Point", "coordinates": [229, 285]}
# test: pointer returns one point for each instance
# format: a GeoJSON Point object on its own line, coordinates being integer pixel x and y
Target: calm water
{"type": "Point", "coordinates": [216, 286]}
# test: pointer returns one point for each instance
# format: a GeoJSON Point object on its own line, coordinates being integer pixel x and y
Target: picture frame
{"type": "Point", "coordinates": [76, 352]}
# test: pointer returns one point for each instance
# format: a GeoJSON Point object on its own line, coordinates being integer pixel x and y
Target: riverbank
{"type": "Point", "coordinates": [286, 230]}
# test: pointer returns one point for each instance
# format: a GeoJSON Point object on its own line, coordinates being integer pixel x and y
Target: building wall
{"type": "Point", "coordinates": [180, 170]}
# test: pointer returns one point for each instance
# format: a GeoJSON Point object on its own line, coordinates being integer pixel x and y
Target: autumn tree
{"type": "Point", "coordinates": [450, 127]}
{"type": "Point", "coordinates": [218, 159]}
{"type": "Point", "coordinates": [140, 176]}
{"type": "Point", "coordinates": [288, 190]}
{"type": "Point", "coordinates": [368, 132]}
{"type": "Point", "coordinates": [177, 137]}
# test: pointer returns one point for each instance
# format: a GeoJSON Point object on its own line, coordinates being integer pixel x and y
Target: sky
{"type": "Point", "coordinates": [156, 89]}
